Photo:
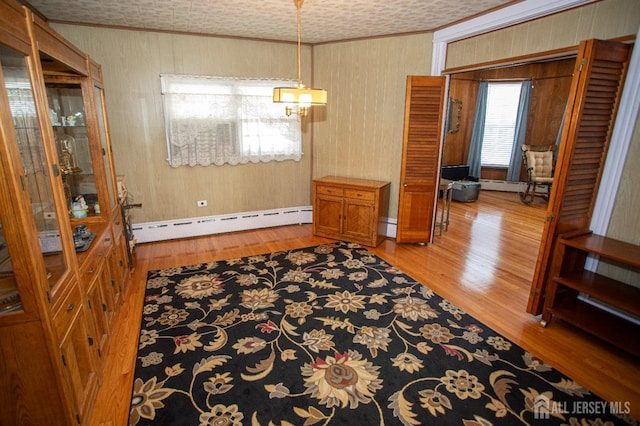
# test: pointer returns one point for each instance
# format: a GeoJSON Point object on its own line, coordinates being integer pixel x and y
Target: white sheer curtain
{"type": "Point", "coordinates": [216, 120]}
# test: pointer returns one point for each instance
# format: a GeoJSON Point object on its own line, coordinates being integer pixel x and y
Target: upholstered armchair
{"type": "Point", "coordinates": [539, 164]}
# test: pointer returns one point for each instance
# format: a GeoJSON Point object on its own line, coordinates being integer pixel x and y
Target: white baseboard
{"type": "Point", "coordinates": [210, 225]}
{"type": "Point", "coordinates": [391, 227]}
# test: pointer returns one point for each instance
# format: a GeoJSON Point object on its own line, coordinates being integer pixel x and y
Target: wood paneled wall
{"type": "Point", "coordinates": [624, 224]}
{"type": "Point", "coordinates": [603, 19]}
{"type": "Point", "coordinates": [132, 62]}
{"type": "Point", "coordinates": [548, 99]}
{"type": "Point", "coordinates": [361, 134]}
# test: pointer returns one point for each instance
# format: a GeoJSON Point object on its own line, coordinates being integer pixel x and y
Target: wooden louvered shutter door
{"type": "Point", "coordinates": [592, 106]}
{"type": "Point", "coordinates": [420, 159]}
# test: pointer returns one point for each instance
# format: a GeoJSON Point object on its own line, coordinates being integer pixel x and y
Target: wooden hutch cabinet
{"type": "Point", "coordinates": [63, 259]}
{"type": "Point", "coordinates": [350, 209]}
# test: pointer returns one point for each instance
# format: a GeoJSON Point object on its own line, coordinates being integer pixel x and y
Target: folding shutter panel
{"type": "Point", "coordinates": [420, 158]}
{"type": "Point", "coordinates": [601, 67]}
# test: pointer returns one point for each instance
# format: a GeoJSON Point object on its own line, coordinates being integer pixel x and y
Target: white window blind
{"type": "Point", "coordinates": [216, 120]}
{"type": "Point", "coordinates": [500, 123]}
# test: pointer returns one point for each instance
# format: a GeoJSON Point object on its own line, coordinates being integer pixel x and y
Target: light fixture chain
{"type": "Point", "coordinates": [299, 7]}
{"type": "Point", "coordinates": [301, 97]}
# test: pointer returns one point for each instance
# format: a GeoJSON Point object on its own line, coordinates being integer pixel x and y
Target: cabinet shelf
{"type": "Point", "coordinates": [616, 250]}
{"type": "Point", "coordinates": [603, 288]}
{"type": "Point", "coordinates": [608, 327]}
{"type": "Point", "coordinates": [569, 279]}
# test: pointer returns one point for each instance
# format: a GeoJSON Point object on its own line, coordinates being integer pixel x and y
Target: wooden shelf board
{"type": "Point", "coordinates": [608, 327]}
{"type": "Point", "coordinates": [619, 251]}
{"type": "Point", "coordinates": [608, 290]}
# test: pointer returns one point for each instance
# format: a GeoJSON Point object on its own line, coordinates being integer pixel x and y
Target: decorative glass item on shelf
{"type": "Point", "coordinates": [66, 110]}
{"type": "Point", "coordinates": [36, 182]}
{"type": "Point", "coordinates": [66, 147]}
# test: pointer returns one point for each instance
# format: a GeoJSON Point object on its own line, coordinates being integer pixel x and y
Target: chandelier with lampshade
{"type": "Point", "coordinates": [299, 98]}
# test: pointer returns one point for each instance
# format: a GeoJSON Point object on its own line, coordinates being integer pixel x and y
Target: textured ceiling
{"type": "Point", "coordinates": [322, 20]}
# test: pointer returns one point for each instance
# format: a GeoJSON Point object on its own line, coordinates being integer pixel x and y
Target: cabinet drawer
{"type": "Point", "coordinates": [107, 242]}
{"type": "Point", "coordinates": [360, 195]}
{"type": "Point", "coordinates": [67, 311]}
{"type": "Point", "coordinates": [329, 190]}
{"type": "Point", "coordinates": [91, 266]}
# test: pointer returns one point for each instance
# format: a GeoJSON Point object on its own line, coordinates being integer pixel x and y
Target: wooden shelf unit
{"type": "Point", "coordinates": [350, 209]}
{"type": "Point", "coordinates": [569, 279]}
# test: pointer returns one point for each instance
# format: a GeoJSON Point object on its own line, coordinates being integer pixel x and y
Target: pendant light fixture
{"type": "Point", "coordinates": [300, 96]}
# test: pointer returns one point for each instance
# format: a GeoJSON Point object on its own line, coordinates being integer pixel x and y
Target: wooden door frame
{"type": "Point", "coordinates": [628, 110]}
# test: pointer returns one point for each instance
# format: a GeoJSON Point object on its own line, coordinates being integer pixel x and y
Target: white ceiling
{"type": "Point", "coordinates": [322, 20]}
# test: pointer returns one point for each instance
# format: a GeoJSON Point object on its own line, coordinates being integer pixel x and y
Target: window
{"type": "Point", "coordinates": [500, 123]}
{"type": "Point", "coordinates": [212, 120]}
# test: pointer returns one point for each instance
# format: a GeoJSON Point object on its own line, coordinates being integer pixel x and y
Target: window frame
{"type": "Point", "coordinates": [506, 132]}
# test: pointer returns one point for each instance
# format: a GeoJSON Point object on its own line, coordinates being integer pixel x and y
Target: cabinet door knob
{"type": "Point", "coordinates": [70, 307]}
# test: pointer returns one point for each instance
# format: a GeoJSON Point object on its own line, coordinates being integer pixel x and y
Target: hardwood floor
{"type": "Point", "coordinates": [484, 264]}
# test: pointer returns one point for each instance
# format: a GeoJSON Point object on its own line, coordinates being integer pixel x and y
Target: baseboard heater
{"type": "Point", "coordinates": [506, 186]}
{"type": "Point", "coordinates": [608, 308]}
{"type": "Point", "coordinates": [209, 225]}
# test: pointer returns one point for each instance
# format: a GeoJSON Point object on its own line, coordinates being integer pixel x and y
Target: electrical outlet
{"type": "Point", "coordinates": [202, 203]}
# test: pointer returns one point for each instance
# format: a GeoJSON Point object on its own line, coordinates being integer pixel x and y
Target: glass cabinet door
{"type": "Point", "coordinates": [9, 294]}
{"type": "Point", "coordinates": [27, 159]}
{"type": "Point", "coordinates": [66, 110]}
{"type": "Point", "coordinates": [98, 96]}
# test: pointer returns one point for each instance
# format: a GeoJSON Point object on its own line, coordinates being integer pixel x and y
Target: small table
{"type": "Point", "coordinates": [446, 188]}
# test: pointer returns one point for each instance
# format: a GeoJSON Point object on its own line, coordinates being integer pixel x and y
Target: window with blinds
{"type": "Point", "coordinates": [500, 123]}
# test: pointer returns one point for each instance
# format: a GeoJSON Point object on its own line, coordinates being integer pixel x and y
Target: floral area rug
{"type": "Point", "coordinates": [332, 335]}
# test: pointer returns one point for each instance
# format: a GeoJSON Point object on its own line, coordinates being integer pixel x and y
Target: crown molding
{"type": "Point", "coordinates": [501, 18]}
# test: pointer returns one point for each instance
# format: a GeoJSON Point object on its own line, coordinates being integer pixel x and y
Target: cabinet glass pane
{"type": "Point", "coordinates": [99, 99]}
{"type": "Point", "coordinates": [37, 179]}
{"type": "Point", "coordinates": [67, 113]}
{"type": "Point", "coordinates": [9, 295]}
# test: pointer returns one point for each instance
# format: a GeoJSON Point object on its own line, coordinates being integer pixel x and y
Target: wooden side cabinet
{"type": "Point", "coordinates": [350, 209]}
{"type": "Point", "coordinates": [571, 285]}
